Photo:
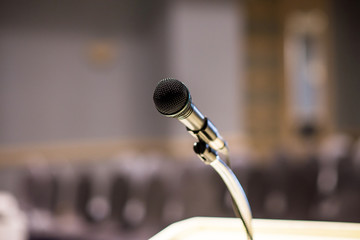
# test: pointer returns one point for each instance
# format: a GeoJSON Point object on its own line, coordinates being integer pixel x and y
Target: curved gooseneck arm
{"type": "Point", "coordinates": [242, 208]}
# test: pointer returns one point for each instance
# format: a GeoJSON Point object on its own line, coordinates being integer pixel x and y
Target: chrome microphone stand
{"type": "Point", "coordinates": [240, 202]}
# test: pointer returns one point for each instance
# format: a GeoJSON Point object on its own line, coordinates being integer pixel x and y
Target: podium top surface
{"type": "Point", "coordinates": [264, 229]}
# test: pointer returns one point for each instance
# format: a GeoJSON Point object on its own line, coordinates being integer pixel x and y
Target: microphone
{"type": "Point", "coordinates": [173, 99]}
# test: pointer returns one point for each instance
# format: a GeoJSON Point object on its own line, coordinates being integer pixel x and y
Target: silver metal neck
{"type": "Point", "coordinates": [192, 118]}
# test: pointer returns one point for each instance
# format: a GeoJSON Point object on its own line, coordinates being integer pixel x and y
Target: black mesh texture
{"type": "Point", "coordinates": [170, 96]}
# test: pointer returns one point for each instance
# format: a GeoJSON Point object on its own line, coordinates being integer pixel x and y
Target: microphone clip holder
{"type": "Point", "coordinates": [209, 134]}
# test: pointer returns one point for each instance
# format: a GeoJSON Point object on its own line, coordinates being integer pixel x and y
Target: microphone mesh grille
{"type": "Point", "coordinates": [170, 96]}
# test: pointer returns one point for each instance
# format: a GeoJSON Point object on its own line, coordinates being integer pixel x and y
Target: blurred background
{"type": "Point", "coordinates": [85, 155]}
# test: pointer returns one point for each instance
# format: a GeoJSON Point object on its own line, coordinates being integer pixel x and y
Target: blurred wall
{"type": "Point", "coordinates": [347, 71]}
{"type": "Point", "coordinates": [87, 69]}
{"type": "Point", "coordinates": [206, 51]}
{"type": "Point", "coordinates": [269, 125]}
{"type": "Point", "coordinates": [78, 70]}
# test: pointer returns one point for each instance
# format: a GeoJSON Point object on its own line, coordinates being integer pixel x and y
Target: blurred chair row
{"type": "Point", "coordinates": [134, 195]}
{"type": "Point", "coordinates": [322, 186]}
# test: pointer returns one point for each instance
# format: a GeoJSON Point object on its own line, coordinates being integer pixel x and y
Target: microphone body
{"type": "Point", "coordinates": [172, 99]}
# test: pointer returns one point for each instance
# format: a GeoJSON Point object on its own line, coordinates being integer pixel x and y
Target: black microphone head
{"type": "Point", "coordinates": [171, 96]}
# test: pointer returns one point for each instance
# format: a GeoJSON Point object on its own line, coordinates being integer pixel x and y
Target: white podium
{"type": "Point", "coordinates": [205, 228]}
